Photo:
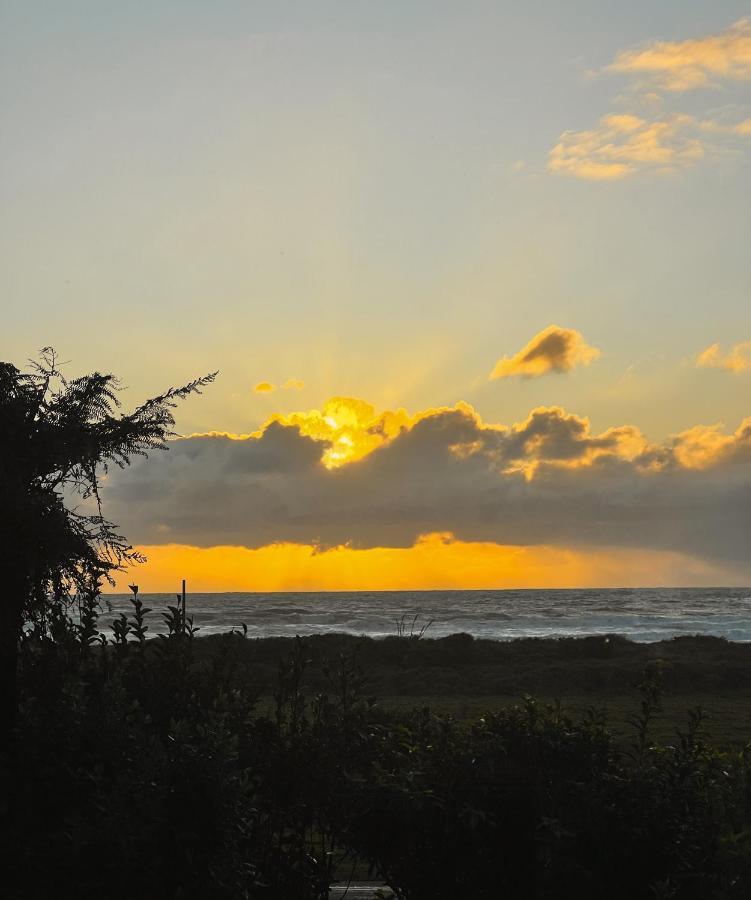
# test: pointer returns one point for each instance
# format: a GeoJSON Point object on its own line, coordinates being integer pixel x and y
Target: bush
{"type": "Point", "coordinates": [144, 768]}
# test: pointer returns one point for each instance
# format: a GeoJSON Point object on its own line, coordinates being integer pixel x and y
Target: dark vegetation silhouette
{"type": "Point", "coordinates": [149, 768]}
{"type": "Point", "coordinates": [58, 436]}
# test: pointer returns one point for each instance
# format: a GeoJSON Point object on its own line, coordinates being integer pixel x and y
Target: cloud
{"type": "Point", "coordinates": [707, 446]}
{"type": "Point", "coordinates": [554, 349]}
{"type": "Point", "coordinates": [742, 129]}
{"type": "Point", "coordinates": [622, 145]}
{"type": "Point", "coordinates": [690, 64]}
{"type": "Point", "coordinates": [625, 144]}
{"type": "Point", "coordinates": [268, 387]}
{"type": "Point", "coordinates": [547, 480]}
{"type": "Point", "coordinates": [737, 359]}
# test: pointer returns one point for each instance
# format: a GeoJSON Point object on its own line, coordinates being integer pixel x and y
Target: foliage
{"type": "Point", "coordinates": [147, 768]}
{"type": "Point", "coordinates": [58, 436]}
{"type": "Point", "coordinates": [410, 629]}
{"type": "Point", "coordinates": [459, 665]}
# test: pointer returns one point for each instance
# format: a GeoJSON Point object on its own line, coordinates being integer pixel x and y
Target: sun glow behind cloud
{"type": "Point", "coordinates": [346, 432]}
{"type": "Point", "coordinates": [350, 429]}
{"type": "Point", "coordinates": [347, 497]}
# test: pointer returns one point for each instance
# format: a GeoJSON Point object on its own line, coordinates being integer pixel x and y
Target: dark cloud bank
{"type": "Point", "coordinates": [447, 473]}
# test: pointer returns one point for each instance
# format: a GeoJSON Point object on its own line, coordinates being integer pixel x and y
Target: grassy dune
{"type": "Point", "coordinates": [466, 678]}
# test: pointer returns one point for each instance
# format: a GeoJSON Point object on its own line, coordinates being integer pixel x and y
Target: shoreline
{"type": "Point", "coordinates": [643, 616]}
{"type": "Point", "coordinates": [451, 590]}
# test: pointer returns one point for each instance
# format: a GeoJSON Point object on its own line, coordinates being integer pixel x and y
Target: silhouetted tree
{"type": "Point", "coordinates": [57, 437]}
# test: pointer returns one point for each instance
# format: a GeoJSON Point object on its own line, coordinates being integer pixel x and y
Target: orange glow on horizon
{"type": "Point", "coordinates": [435, 561]}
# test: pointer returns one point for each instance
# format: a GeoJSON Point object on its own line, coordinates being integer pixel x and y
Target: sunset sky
{"type": "Point", "coordinates": [476, 278]}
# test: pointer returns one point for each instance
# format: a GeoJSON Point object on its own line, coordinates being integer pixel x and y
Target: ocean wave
{"type": "Point", "coordinates": [640, 614]}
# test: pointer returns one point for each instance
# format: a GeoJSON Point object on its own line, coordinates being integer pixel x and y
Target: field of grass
{"type": "Point", "coordinates": [728, 722]}
{"type": "Point", "coordinates": [467, 678]}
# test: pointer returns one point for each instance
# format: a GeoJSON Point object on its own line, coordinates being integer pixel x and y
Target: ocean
{"type": "Point", "coordinates": [641, 614]}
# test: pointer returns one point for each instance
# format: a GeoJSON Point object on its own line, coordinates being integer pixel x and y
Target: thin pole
{"type": "Point", "coordinates": [183, 604]}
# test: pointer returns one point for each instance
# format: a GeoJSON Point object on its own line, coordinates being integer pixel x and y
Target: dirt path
{"type": "Point", "coordinates": [361, 890]}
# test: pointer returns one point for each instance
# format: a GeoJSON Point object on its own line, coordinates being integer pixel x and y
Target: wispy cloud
{"type": "Point", "coordinates": [268, 387]}
{"type": "Point", "coordinates": [624, 144]}
{"type": "Point", "coordinates": [554, 349]}
{"type": "Point", "coordinates": [690, 64]}
{"type": "Point", "coordinates": [712, 126]}
{"type": "Point", "coordinates": [737, 359]}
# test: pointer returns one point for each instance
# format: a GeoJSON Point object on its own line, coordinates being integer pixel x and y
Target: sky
{"type": "Point", "coordinates": [475, 277]}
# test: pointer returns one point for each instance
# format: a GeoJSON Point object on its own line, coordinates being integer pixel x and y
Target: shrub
{"type": "Point", "coordinates": [144, 768]}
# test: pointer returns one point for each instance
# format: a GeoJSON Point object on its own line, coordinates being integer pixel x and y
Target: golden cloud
{"type": "Point", "coordinates": [551, 438]}
{"type": "Point", "coordinates": [268, 387]}
{"type": "Point", "coordinates": [694, 63]}
{"type": "Point", "coordinates": [554, 349]}
{"type": "Point", "coordinates": [737, 359]}
{"type": "Point", "coordinates": [350, 475]}
{"type": "Point", "coordinates": [347, 430]}
{"type": "Point", "coordinates": [622, 145]}
{"type": "Point", "coordinates": [625, 144]}
{"type": "Point", "coordinates": [352, 429]}
{"type": "Point", "coordinates": [703, 445]}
